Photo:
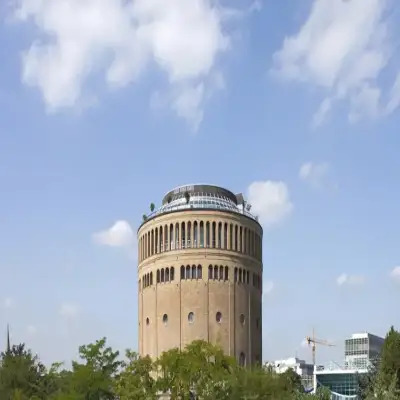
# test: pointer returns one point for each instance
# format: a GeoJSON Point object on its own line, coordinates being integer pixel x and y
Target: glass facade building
{"type": "Point", "coordinates": [342, 381]}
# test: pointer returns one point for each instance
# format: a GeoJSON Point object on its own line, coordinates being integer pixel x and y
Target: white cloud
{"type": "Point", "coordinates": [69, 310]}
{"type": "Point", "coordinates": [118, 235]}
{"type": "Point", "coordinates": [343, 48]}
{"type": "Point", "coordinates": [7, 303]}
{"type": "Point", "coordinates": [270, 201]}
{"type": "Point", "coordinates": [314, 174]}
{"type": "Point", "coordinates": [268, 287]}
{"type": "Point", "coordinates": [395, 273]}
{"type": "Point", "coordinates": [120, 39]}
{"type": "Point", "coordinates": [345, 279]}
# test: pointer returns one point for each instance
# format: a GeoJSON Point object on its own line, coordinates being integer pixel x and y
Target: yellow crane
{"type": "Point", "coordinates": [313, 341]}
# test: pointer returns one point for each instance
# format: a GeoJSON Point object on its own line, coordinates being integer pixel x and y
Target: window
{"type": "Point", "coordinates": [226, 273]}
{"type": "Point", "coordinates": [182, 272]}
{"type": "Point", "coordinates": [218, 317]}
{"type": "Point", "coordinates": [162, 275]}
{"type": "Point", "coordinates": [201, 234]}
{"type": "Point", "coordinates": [221, 273]}
{"type": "Point", "coordinates": [187, 272]}
{"type": "Point", "coordinates": [194, 270]}
{"type": "Point", "coordinates": [199, 272]}
{"type": "Point", "coordinates": [210, 272]}
{"type": "Point", "coordinates": [172, 275]}
{"type": "Point", "coordinates": [195, 238]}
{"type": "Point", "coordinates": [191, 317]}
{"type": "Point", "coordinates": [166, 274]}
{"type": "Point", "coordinates": [214, 234]}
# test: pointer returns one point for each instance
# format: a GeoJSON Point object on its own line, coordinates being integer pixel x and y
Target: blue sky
{"type": "Point", "coordinates": [106, 105]}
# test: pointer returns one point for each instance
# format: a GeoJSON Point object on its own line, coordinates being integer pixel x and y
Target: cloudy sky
{"type": "Point", "coordinates": [107, 104]}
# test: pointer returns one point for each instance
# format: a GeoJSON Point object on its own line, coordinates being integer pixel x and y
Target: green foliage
{"type": "Point", "coordinates": [144, 217]}
{"type": "Point", "coordinates": [152, 207]}
{"type": "Point", "coordinates": [200, 371]}
{"type": "Point", "coordinates": [390, 361]}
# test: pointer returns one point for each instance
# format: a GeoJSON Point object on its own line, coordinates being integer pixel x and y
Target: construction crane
{"type": "Point", "coordinates": [312, 341]}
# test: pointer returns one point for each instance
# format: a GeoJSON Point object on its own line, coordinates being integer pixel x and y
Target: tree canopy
{"type": "Point", "coordinates": [200, 371]}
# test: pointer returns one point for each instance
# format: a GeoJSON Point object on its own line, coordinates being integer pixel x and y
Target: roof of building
{"type": "Point", "coordinates": [203, 196]}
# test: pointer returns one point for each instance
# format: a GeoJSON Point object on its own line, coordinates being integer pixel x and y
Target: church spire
{"type": "Point", "coordinates": [8, 339]}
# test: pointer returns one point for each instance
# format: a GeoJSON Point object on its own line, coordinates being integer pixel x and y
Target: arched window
{"type": "Point", "coordinates": [195, 234]}
{"type": "Point", "coordinates": [236, 239]}
{"type": "Point", "coordinates": [188, 275]}
{"type": "Point", "coordinates": [219, 242]}
{"type": "Point", "coordinates": [151, 278]}
{"type": "Point", "coordinates": [210, 272]}
{"type": "Point", "coordinates": [214, 237]}
{"type": "Point", "coordinates": [225, 246]}
{"type": "Point", "coordinates": [226, 273]}
{"type": "Point", "coordinates": [182, 272]}
{"type": "Point", "coordinates": [162, 275]}
{"type": "Point", "coordinates": [221, 273]}
{"type": "Point", "coordinates": [199, 272]}
{"type": "Point", "coordinates": [183, 236]}
{"type": "Point", "coordinates": [189, 235]}
{"type": "Point", "coordinates": [152, 242]}
{"type": "Point", "coordinates": [171, 237]}
{"type": "Point", "coordinates": [158, 276]}
{"type": "Point", "coordinates": [172, 275]}
{"type": "Point", "coordinates": [230, 237]}
{"type": "Point", "coordinates": [207, 234]}
{"type": "Point", "coordinates": [177, 236]}
{"type": "Point", "coordinates": [155, 240]}
{"type": "Point", "coordinates": [166, 248]}
{"type": "Point", "coordinates": [194, 270]}
{"type": "Point", "coordinates": [236, 274]}
{"type": "Point", "coordinates": [240, 239]}
{"type": "Point", "coordinates": [166, 274]}
{"type": "Point", "coordinates": [247, 277]}
{"type": "Point", "coordinates": [201, 234]}
{"type": "Point", "coordinates": [216, 272]}
{"type": "Point", "coordinates": [240, 275]}
{"type": "Point", "coordinates": [161, 240]}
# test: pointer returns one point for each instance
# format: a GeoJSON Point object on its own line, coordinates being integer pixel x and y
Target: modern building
{"type": "Point", "coordinates": [342, 380]}
{"type": "Point", "coordinates": [361, 348]}
{"type": "Point", "coordinates": [200, 273]}
{"type": "Point", "coordinates": [303, 369]}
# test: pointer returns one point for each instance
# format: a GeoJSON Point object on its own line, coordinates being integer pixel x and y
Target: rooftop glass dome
{"type": "Point", "coordinates": [203, 197]}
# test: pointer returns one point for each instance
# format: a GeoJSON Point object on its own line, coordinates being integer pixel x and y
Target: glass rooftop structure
{"type": "Point", "coordinates": [203, 196]}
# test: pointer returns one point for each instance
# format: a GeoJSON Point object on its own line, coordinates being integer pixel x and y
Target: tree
{"type": "Point", "coordinates": [94, 378]}
{"type": "Point", "coordinates": [21, 374]}
{"type": "Point", "coordinates": [135, 381]}
{"type": "Point", "coordinates": [390, 359]}
{"type": "Point", "coordinates": [152, 207]}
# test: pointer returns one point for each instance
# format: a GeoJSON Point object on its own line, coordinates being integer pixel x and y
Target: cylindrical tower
{"type": "Point", "coordinates": [200, 274]}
